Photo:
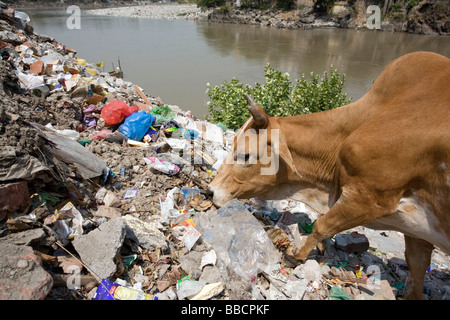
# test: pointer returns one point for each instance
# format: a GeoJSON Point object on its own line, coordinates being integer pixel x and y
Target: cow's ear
{"type": "Point", "coordinates": [259, 116]}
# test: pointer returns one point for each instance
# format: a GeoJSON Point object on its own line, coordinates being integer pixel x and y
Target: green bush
{"type": "Point", "coordinates": [285, 4]}
{"type": "Point", "coordinates": [209, 3]}
{"type": "Point", "coordinates": [279, 96]}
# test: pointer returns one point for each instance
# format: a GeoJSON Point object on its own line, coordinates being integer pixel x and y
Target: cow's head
{"type": "Point", "coordinates": [259, 161]}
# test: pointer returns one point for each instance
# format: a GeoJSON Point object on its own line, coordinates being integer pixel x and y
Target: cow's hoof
{"type": "Point", "coordinates": [289, 258]}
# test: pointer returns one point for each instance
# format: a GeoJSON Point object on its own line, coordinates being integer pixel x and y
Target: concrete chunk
{"type": "Point", "coordinates": [98, 248]}
{"type": "Point", "coordinates": [146, 234]}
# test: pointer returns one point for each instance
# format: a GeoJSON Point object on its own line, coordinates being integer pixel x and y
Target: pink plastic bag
{"type": "Point", "coordinates": [101, 134]}
{"type": "Point", "coordinates": [116, 111]}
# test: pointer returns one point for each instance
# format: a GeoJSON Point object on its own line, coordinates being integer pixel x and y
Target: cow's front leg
{"type": "Point", "coordinates": [347, 213]}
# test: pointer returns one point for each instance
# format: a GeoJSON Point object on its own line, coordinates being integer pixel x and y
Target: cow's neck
{"type": "Point", "coordinates": [314, 141]}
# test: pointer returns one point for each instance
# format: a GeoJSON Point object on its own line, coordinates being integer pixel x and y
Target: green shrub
{"type": "Point", "coordinates": [285, 4]}
{"type": "Point", "coordinates": [209, 3]}
{"type": "Point", "coordinates": [279, 96]}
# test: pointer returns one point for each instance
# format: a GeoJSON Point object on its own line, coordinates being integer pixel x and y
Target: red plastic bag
{"type": "Point", "coordinates": [116, 111]}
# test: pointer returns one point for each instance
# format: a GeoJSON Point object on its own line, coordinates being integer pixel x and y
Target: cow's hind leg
{"type": "Point", "coordinates": [347, 213]}
{"type": "Point", "coordinates": [418, 256]}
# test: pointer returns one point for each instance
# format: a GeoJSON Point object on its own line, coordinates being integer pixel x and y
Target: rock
{"type": "Point", "coordinates": [107, 212]}
{"type": "Point", "coordinates": [211, 274]}
{"type": "Point", "coordinates": [21, 274]}
{"type": "Point", "coordinates": [169, 294]}
{"type": "Point", "coordinates": [391, 242]}
{"type": "Point", "coordinates": [310, 271]}
{"type": "Point", "coordinates": [26, 238]}
{"type": "Point", "coordinates": [208, 291]}
{"type": "Point", "coordinates": [352, 243]}
{"type": "Point", "coordinates": [190, 263]}
{"type": "Point", "coordinates": [325, 270]}
{"type": "Point", "coordinates": [37, 68]}
{"type": "Point", "coordinates": [13, 197]}
{"type": "Point", "coordinates": [162, 285]}
{"type": "Point", "coordinates": [145, 234]}
{"type": "Point", "coordinates": [384, 291]}
{"type": "Point", "coordinates": [99, 248]}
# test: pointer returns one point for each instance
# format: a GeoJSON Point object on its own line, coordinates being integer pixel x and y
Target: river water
{"type": "Point", "coordinates": [174, 59]}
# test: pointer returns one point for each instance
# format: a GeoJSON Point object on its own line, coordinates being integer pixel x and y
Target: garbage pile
{"type": "Point", "coordinates": [103, 196]}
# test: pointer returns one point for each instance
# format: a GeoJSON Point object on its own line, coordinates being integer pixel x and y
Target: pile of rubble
{"type": "Point", "coordinates": [92, 209]}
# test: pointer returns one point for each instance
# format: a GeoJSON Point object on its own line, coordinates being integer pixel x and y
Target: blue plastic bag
{"type": "Point", "coordinates": [136, 125]}
{"type": "Point", "coordinates": [190, 134]}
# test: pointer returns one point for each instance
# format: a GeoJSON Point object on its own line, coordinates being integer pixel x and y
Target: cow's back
{"type": "Point", "coordinates": [412, 76]}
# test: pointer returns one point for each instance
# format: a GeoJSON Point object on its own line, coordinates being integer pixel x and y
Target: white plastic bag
{"type": "Point", "coordinates": [238, 239]}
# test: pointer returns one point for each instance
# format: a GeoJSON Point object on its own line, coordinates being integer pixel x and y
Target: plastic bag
{"type": "Point", "coordinates": [116, 111]}
{"type": "Point", "coordinates": [136, 125]}
{"type": "Point", "coordinates": [101, 134]}
{"type": "Point", "coordinates": [190, 134]}
{"type": "Point", "coordinates": [239, 240]}
{"type": "Point", "coordinates": [162, 114]}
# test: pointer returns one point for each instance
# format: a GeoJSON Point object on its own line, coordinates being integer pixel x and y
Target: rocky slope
{"type": "Point", "coordinates": [427, 17]}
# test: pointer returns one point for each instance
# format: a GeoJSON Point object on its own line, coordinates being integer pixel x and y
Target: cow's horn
{"type": "Point", "coordinates": [259, 118]}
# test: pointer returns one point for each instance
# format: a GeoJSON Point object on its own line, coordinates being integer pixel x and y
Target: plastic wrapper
{"type": "Point", "coordinates": [136, 125]}
{"type": "Point", "coordinates": [168, 210]}
{"type": "Point", "coordinates": [29, 81]}
{"type": "Point", "coordinates": [67, 223]}
{"type": "Point", "coordinates": [109, 290]}
{"type": "Point", "coordinates": [162, 165]}
{"type": "Point", "coordinates": [239, 240]}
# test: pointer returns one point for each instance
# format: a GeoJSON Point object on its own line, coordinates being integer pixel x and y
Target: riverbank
{"type": "Point", "coordinates": [155, 11]}
{"type": "Point", "coordinates": [424, 18]}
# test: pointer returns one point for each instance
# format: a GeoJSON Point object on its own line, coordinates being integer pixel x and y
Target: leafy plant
{"type": "Point", "coordinates": [209, 3]}
{"type": "Point", "coordinates": [279, 96]}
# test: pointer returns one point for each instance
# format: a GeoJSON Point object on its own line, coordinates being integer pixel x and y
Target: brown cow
{"type": "Point", "coordinates": [382, 161]}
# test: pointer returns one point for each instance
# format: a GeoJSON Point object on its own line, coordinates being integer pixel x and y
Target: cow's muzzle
{"type": "Point", "coordinates": [219, 196]}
